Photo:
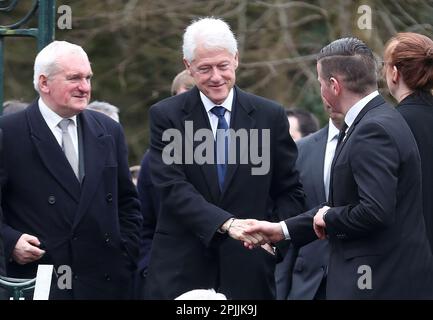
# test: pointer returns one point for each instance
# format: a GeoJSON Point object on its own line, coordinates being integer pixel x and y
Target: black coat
{"type": "Point", "coordinates": [417, 110]}
{"type": "Point", "coordinates": [187, 250]}
{"type": "Point", "coordinates": [91, 227]}
{"type": "Point", "coordinates": [376, 219]}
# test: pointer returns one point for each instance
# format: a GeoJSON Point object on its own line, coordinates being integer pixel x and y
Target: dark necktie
{"type": "Point", "coordinates": [342, 134]}
{"type": "Point", "coordinates": [221, 144]}
{"type": "Point", "coordinates": [339, 143]}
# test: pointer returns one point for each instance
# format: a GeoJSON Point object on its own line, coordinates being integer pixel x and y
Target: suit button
{"type": "Point", "coordinates": [109, 197]}
{"type": "Point", "coordinates": [51, 199]}
{"type": "Point", "coordinates": [75, 277]}
{"type": "Point", "coordinates": [107, 277]}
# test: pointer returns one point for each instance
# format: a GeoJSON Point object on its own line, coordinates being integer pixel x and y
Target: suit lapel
{"type": "Point", "coordinates": [194, 111]}
{"type": "Point", "coordinates": [376, 101]}
{"type": "Point", "coordinates": [96, 145]}
{"type": "Point", "coordinates": [240, 119]}
{"type": "Point", "coordinates": [51, 153]}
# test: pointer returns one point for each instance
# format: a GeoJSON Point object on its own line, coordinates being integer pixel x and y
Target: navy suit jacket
{"type": "Point", "coordinates": [2, 256]}
{"type": "Point", "coordinates": [377, 235]}
{"type": "Point", "coordinates": [149, 198]}
{"type": "Point", "coordinates": [187, 251]}
{"type": "Point", "coordinates": [93, 226]}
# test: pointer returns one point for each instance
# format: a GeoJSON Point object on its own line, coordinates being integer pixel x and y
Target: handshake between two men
{"type": "Point", "coordinates": [254, 233]}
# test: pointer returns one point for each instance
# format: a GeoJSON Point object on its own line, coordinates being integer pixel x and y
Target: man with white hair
{"type": "Point", "coordinates": [67, 195]}
{"type": "Point", "coordinates": [202, 203]}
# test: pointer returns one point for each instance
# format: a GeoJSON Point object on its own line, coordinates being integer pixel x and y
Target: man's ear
{"type": "Point", "coordinates": [187, 65]}
{"type": "Point", "coordinates": [236, 60]}
{"type": "Point", "coordinates": [335, 85]}
{"type": "Point", "coordinates": [43, 84]}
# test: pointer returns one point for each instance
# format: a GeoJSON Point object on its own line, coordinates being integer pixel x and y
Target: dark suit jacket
{"type": "Point", "coordinates": [417, 110]}
{"type": "Point", "coordinates": [312, 259]}
{"type": "Point", "coordinates": [2, 256]}
{"type": "Point", "coordinates": [376, 217]}
{"type": "Point", "coordinates": [149, 198]}
{"type": "Point", "coordinates": [92, 227]}
{"type": "Point", "coordinates": [188, 252]}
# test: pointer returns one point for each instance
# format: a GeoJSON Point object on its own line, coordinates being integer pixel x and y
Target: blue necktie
{"type": "Point", "coordinates": [221, 144]}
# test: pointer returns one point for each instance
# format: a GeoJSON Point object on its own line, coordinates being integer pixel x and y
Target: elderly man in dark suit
{"type": "Point", "coordinates": [373, 220]}
{"type": "Point", "coordinates": [67, 195]}
{"type": "Point", "coordinates": [202, 201]}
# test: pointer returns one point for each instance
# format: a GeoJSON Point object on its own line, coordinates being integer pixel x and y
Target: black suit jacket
{"type": "Point", "coordinates": [2, 256]}
{"type": "Point", "coordinates": [187, 250]}
{"type": "Point", "coordinates": [91, 227]}
{"type": "Point", "coordinates": [376, 217]}
{"type": "Point", "coordinates": [417, 110]}
{"type": "Point", "coordinates": [312, 260]}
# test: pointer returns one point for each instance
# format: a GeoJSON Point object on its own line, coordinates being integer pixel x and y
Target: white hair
{"type": "Point", "coordinates": [210, 32]}
{"type": "Point", "coordinates": [46, 62]}
{"type": "Point", "coordinates": [106, 108]}
{"type": "Point", "coordinates": [201, 294]}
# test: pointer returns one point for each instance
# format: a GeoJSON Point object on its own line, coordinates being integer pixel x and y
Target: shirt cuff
{"type": "Point", "coordinates": [285, 230]}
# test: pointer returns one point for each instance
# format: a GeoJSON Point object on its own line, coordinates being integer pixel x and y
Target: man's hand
{"type": "Point", "coordinates": [236, 230]}
{"type": "Point", "coordinates": [26, 249]}
{"type": "Point", "coordinates": [319, 225]}
{"type": "Point", "coordinates": [270, 231]}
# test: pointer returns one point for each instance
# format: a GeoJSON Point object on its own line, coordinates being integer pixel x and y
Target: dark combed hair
{"type": "Point", "coordinates": [308, 122]}
{"type": "Point", "coordinates": [412, 54]}
{"type": "Point", "coordinates": [352, 62]}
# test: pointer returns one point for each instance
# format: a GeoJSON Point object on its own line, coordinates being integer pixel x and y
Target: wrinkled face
{"type": "Point", "coordinates": [213, 71]}
{"type": "Point", "coordinates": [67, 91]}
{"type": "Point", "coordinates": [328, 96]}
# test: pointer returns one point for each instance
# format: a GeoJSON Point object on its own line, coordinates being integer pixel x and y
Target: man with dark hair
{"type": "Point", "coordinates": [302, 123]}
{"type": "Point", "coordinates": [373, 218]}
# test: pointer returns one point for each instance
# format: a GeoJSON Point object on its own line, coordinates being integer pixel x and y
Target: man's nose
{"type": "Point", "coordinates": [85, 85]}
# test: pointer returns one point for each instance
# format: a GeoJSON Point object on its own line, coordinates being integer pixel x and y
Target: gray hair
{"type": "Point", "coordinates": [210, 32]}
{"type": "Point", "coordinates": [12, 106]}
{"type": "Point", "coordinates": [106, 108]}
{"type": "Point", "coordinates": [46, 62]}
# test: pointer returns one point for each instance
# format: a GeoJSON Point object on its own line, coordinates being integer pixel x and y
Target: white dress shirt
{"type": "Point", "coordinates": [213, 119]}
{"type": "Point", "coordinates": [331, 145]}
{"type": "Point", "coordinates": [52, 119]}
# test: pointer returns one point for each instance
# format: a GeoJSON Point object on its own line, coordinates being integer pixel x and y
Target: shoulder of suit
{"type": "Point", "coordinates": [12, 119]}
{"type": "Point", "coordinates": [313, 138]}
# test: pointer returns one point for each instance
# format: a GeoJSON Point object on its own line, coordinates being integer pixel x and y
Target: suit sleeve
{"type": "Point", "coordinates": [374, 161]}
{"type": "Point", "coordinates": [180, 197]}
{"type": "Point", "coordinates": [129, 207]}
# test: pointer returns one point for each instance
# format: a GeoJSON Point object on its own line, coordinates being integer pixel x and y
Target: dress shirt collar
{"type": "Point", "coordinates": [51, 118]}
{"type": "Point", "coordinates": [357, 107]}
{"type": "Point", "coordinates": [332, 131]}
{"type": "Point", "coordinates": [208, 104]}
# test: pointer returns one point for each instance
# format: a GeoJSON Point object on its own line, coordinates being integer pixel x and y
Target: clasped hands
{"type": "Point", "coordinates": [254, 233]}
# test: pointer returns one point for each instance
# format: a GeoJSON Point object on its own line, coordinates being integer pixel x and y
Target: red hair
{"type": "Point", "coordinates": [412, 54]}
